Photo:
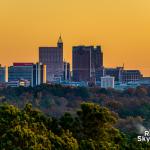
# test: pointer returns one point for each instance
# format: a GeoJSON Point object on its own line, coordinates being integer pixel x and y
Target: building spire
{"type": "Point", "coordinates": [60, 42]}
{"type": "Point", "coordinates": [60, 39]}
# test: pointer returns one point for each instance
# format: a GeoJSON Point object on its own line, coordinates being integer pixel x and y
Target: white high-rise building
{"type": "Point", "coordinates": [107, 82]}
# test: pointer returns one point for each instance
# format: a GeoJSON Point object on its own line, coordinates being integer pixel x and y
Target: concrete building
{"type": "Point", "coordinates": [67, 73]}
{"type": "Point", "coordinates": [86, 61]}
{"type": "Point", "coordinates": [114, 72]}
{"type": "Point", "coordinates": [34, 73]}
{"type": "Point", "coordinates": [131, 76]}
{"type": "Point", "coordinates": [52, 57]}
{"type": "Point", "coordinates": [107, 82]}
{"type": "Point", "coordinates": [123, 76]}
{"type": "Point", "coordinates": [2, 74]}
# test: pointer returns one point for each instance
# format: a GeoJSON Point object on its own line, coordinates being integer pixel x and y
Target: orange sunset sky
{"type": "Point", "coordinates": [121, 27]}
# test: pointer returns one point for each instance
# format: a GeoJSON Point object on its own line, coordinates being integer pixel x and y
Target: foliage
{"type": "Point", "coordinates": [108, 123]}
{"type": "Point", "coordinates": [29, 129]}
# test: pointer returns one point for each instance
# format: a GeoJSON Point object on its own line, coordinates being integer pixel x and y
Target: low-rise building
{"type": "Point", "coordinates": [107, 82]}
{"type": "Point", "coordinates": [18, 83]}
{"type": "Point", "coordinates": [34, 73]}
{"type": "Point", "coordinates": [131, 76]}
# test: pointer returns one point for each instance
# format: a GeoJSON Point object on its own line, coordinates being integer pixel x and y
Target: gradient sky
{"type": "Point", "coordinates": [121, 27]}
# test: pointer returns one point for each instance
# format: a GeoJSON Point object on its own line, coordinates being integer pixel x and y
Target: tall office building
{"type": "Point", "coordinates": [52, 57]}
{"type": "Point", "coordinates": [87, 61]}
{"type": "Point", "coordinates": [2, 74]}
{"type": "Point", "coordinates": [67, 73]}
{"type": "Point", "coordinates": [34, 73]}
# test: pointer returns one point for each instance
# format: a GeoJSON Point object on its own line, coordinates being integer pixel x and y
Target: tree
{"type": "Point", "coordinates": [19, 129]}
{"type": "Point", "coordinates": [93, 127]}
{"type": "Point", "coordinates": [141, 92]}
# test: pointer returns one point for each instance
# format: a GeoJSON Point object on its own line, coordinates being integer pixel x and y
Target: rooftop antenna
{"type": "Point", "coordinates": [123, 66]}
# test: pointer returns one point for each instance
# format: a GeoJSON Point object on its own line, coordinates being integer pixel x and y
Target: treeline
{"type": "Point", "coordinates": [132, 106]}
{"type": "Point", "coordinates": [91, 128]}
{"type": "Point", "coordinates": [49, 98]}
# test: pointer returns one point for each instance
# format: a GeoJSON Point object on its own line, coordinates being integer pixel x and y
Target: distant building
{"type": "Point", "coordinates": [145, 81]}
{"type": "Point", "coordinates": [2, 74]}
{"type": "Point", "coordinates": [124, 86]}
{"type": "Point", "coordinates": [86, 61]}
{"type": "Point", "coordinates": [34, 73]}
{"type": "Point", "coordinates": [114, 72]}
{"type": "Point", "coordinates": [18, 83]}
{"type": "Point", "coordinates": [124, 76]}
{"type": "Point", "coordinates": [100, 73]}
{"type": "Point", "coordinates": [131, 76]}
{"type": "Point", "coordinates": [52, 57]}
{"type": "Point", "coordinates": [39, 74]}
{"type": "Point", "coordinates": [74, 84]}
{"type": "Point", "coordinates": [107, 82]}
{"type": "Point", "coordinates": [67, 73]}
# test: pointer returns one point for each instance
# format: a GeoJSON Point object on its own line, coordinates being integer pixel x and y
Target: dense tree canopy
{"type": "Point", "coordinates": [92, 129]}
{"type": "Point", "coordinates": [95, 119]}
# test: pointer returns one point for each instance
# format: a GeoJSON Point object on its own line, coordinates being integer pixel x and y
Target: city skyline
{"type": "Point", "coordinates": [52, 46]}
{"type": "Point", "coordinates": [120, 27]}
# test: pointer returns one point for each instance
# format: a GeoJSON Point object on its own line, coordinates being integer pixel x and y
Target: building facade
{"type": "Point", "coordinates": [86, 61]}
{"type": "Point", "coordinates": [2, 74]}
{"type": "Point", "coordinates": [100, 73]}
{"type": "Point", "coordinates": [39, 74]}
{"type": "Point", "coordinates": [123, 76]}
{"type": "Point", "coordinates": [114, 72]}
{"type": "Point", "coordinates": [131, 76]}
{"type": "Point", "coordinates": [67, 73]}
{"type": "Point", "coordinates": [107, 82]}
{"type": "Point", "coordinates": [18, 83]}
{"type": "Point", "coordinates": [52, 57]}
{"type": "Point", "coordinates": [34, 73]}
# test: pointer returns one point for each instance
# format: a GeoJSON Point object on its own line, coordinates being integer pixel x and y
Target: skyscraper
{"type": "Point", "coordinates": [87, 60]}
{"type": "Point", "coordinates": [52, 57]}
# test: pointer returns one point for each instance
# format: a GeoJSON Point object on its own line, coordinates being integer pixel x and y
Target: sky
{"type": "Point", "coordinates": [121, 27]}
